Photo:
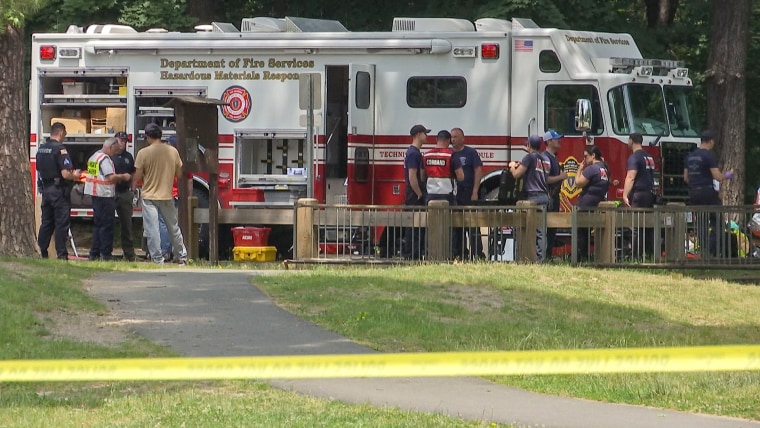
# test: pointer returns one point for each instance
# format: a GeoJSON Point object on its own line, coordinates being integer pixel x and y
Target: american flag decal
{"type": "Point", "coordinates": [523, 45]}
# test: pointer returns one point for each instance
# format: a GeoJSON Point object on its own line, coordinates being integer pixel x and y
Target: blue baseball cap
{"type": "Point", "coordinates": [534, 141]}
{"type": "Point", "coordinates": [552, 135]}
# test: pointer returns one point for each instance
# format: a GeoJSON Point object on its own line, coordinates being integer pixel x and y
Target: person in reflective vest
{"type": "Point", "coordinates": [100, 183]}
{"type": "Point", "coordinates": [441, 168]}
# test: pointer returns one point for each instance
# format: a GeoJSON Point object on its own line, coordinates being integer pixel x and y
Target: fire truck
{"type": "Point", "coordinates": [498, 80]}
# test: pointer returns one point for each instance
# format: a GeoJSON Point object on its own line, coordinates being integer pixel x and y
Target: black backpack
{"type": "Point", "coordinates": [510, 188]}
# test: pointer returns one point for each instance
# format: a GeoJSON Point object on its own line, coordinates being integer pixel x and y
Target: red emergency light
{"type": "Point", "coordinates": [489, 50]}
{"type": "Point", "coordinates": [47, 52]}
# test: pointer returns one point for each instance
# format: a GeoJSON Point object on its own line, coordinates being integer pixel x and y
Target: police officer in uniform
{"type": "Point", "coordinates": [124, 163]}
{"type": "Point", "coordinates": [55, 174]}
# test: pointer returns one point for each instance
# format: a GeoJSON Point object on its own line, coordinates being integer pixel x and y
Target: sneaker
{"type": "Point", "coordinates": [168, 257]}
{"type": "Point", "coordinates": [182, 262]}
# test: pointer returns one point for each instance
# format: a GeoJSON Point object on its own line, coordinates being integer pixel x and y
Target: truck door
{"type": "Point", "coordinates": [557, 101]}
{"type": "Point", "coordinates": [361, 134]}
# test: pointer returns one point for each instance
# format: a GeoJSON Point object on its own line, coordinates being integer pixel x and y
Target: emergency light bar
{"type": "Point", "coordinates": [646, 67]}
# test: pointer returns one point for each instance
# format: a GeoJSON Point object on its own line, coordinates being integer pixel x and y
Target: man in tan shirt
{"type": "Point", "coordinates": [156, 166]}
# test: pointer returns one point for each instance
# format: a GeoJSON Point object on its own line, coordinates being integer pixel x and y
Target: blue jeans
{"type": "Point", "coordinates": [152, 211]}
{"type": "Point", "coordinates": [166, 243]}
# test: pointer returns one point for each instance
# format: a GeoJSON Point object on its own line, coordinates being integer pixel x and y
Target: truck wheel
{"type": "Point", "coordinates": [202, 197]}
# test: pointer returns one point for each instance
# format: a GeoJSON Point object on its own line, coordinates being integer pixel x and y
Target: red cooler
{"type": "Point", "coordinates": [250, 236]}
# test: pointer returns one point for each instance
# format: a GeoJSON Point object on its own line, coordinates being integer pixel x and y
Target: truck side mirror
{"type": "Point", "coordinates": [583, 116]}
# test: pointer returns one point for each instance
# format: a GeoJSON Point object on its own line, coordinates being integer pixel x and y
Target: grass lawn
{"type": "Point", "coordinates": [511, 307]}
{"type": "Point", "coordinates": [34, 294]}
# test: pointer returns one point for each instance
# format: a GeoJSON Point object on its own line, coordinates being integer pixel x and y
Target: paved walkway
{"type": "Point", "coordinates": [202, 313]}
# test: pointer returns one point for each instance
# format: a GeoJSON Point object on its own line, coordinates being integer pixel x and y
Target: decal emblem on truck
{"type": "Point", "coordinates": [238, 103]}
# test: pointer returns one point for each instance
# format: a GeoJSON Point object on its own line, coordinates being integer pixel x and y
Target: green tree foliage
{"type": "Point", "coordinates": [683, 34]}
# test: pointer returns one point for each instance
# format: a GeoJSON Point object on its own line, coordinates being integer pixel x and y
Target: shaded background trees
{"type": "Point", "coordinates": [662, 28]}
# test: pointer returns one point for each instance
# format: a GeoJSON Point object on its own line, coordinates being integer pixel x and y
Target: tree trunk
{"type": "Point", "coordinates": [660, 13]}
{"type": "Point", "coordinates": [17, 234]}
{"type": "Point", "coordinates": [204, 11]}
{"type": "Point", "coordinates": [726, 94]}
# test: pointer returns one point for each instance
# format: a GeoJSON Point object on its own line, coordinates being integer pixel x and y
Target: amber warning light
{"type": "Point", "coordinates": [489, 50]}
{"type": "Point", "coordinates": [47, 52]}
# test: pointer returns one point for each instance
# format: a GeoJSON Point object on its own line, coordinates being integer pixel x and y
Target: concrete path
{"type": "Point", "coordinates": [202, 313]}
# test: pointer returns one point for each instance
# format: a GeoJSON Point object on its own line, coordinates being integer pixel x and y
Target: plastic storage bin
{"type": "Point", "coordinates": [250, 236]}
{"type": "Point", "coordinates": [254, 254]}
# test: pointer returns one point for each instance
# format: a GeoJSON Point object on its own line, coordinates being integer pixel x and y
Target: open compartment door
{"type": "Point", "coordinates": [361, 134]}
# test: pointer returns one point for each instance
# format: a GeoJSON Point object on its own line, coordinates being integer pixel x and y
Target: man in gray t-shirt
{"type": "Point", "coordinates": [533, 169]}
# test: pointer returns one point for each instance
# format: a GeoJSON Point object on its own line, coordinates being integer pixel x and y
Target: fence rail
{"type": "Point", "coordinates": [672, 235]}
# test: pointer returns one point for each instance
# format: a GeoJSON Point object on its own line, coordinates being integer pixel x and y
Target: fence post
{"type": "Point", "coordinates": [675, 232]}
{"type": "Point", "coordinates": [193, 234]}
{"type": "Point", "coordinates": [605, 252]}
{"type": "Point", "coordinates": [439, 230]}
{"type": "Point", "coordinates": [526, 236]}
{"type": "Point", "coordinates": [305, 231]}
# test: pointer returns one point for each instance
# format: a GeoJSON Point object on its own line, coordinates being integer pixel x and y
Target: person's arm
{"type": "Point", "coordinates": [720, 176]}
{"type": "Point", "coordinates": [630, 176]}
{"type": "Point", "coordinates": [476, 183]}
{"type": "Point", "coordinates": [686, 175]}
{"type": "Point", "coordinates": [554, 179]}
{"type": "Point", "coordinates": [459, 172]}
{"type": "Point", "coordinates": [519, 171]}
{"type": "Point", "coordinates": [413, 183]}
{"type": "Point", "coordinates": [580, 179]}
{"type": "Point", "coordinates": [115, 178]}
{"type": "Point", "coordinates": [137, 177]}
{"type": "Point", "coordinates": [70, 174]}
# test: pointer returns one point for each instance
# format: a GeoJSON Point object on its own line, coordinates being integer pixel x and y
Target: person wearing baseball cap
{"type": "Point", "coordinates": [156, 166]}
{"type": "Point", "coordinates": [417, 129]}
{"type": "Point", "coordinates": [414, 192]}
{"type": "Point", "coordinates": [533, 169]}
{"type": "Point", "coordinates": [124, 163]}
{"type": "Point", "coordinates": [554, 180]}
{"type": "Point", "coordinates": [700, 169]}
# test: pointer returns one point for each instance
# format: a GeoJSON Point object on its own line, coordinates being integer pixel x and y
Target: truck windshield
{"type": "Point", "coordinates": [638, 108]}
{"type": "Point", "coordinates": [651, 110]}
{"type": "Point", "coordinates": [679, 101]}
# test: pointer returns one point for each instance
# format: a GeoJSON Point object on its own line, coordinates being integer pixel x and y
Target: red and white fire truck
{"type": "Point", "coordinates": [498, 80]}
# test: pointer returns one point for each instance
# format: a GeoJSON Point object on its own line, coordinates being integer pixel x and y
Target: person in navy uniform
{"type": "Point", "coordinates": [554, 181]}
{"type": "Point", "coordinates": [700, 169]}
{"type": "Point", "coordinates": [593, 178]}
{"type": "Point", "coordinates": [638, 192]}
{"type": "Point", "coordinates": [124, 163]}
{"type": "Point", "coordinates": [414, 192]}
{"type": "Point", "coordinates": [55, 174]}
{"type": "Point", "coordinates": [534, 170]}
{"type": "Point", "coordinates": [467, 191]}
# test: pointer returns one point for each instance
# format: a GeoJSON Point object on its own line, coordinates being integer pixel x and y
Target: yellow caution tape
{"type": "Point", "coordinates": [694, 359]}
